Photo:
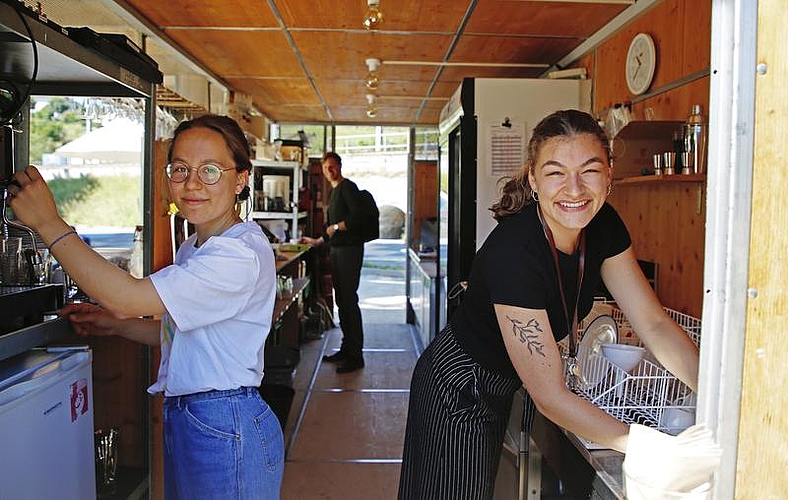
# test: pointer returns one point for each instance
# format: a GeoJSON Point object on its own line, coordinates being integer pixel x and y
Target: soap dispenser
{"type": "Point", "coordinates": [696, 131]}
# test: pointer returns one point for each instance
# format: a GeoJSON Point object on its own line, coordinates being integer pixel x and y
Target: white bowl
{"type": "Point", "coordinates": [675, 420]}
{"type": "Point", "coordinates": [623, 356]}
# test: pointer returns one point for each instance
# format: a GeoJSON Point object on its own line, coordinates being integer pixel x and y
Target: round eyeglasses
{"type": "Point", "coordinates": [208, 173]}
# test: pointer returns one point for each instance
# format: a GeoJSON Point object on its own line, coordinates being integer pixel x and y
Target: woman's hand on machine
{"type": "Point", "coordinates": [89, 319]}
{"type": "Point", "coordinates": [32, 201]}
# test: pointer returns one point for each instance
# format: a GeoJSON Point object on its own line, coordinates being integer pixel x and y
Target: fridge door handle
{"type": "Point", "coordinates": [19, 389]}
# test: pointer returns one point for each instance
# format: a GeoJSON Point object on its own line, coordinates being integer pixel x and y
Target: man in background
{"type": "Point", "coordinates": [343, 234]}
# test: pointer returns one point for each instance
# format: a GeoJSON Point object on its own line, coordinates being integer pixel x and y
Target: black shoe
{"type": "Point", "coordinates": [337, 357]}
{"type": "Point", "coordinates": [350, 365]}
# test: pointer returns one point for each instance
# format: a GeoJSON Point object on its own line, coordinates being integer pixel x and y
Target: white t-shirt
{"type": "Point", "coordinates": [219, 300]}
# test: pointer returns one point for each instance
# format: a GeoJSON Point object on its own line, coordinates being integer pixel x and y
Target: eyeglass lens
{"type": "Point", "coordinates": [208, 173]}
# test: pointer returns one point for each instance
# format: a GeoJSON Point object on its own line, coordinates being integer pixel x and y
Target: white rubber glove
{"type": "Point", "coordinates": [657, 464]}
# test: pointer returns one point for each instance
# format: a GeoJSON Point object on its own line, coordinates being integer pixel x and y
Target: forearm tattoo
{"type": "Point", "coordinates": [527, 334]}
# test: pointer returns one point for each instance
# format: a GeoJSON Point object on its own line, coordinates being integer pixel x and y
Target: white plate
{"type": "Point", "coordinates": [603, 330]}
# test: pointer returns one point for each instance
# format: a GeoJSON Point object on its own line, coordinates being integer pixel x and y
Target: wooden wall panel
{"type": "Point", "coordinates": [763, 426]}
{"type": "Point", "coordinates": [118, 394]}
{"type": "Point", "coordinates": [663, 218]}
{"type": "Point", "coordinates": [162, 257]}
{"type": "Point", "coordinates": [682, 33]}
{"type": "Point", "coordinates": [667, 228]}
{"type": "Point", "coordinates": [425, 194]}
{"type": "Point", "coordinates": [676, 104]}
{"type": "Point", "coordinates": [162, 246]}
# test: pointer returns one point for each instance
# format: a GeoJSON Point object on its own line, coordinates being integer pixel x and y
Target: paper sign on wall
{"type": "Point", "coordinates": [506, 148]}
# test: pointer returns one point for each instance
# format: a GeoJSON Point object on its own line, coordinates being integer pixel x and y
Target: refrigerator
{"type": "Point", "coordinates": [484, 132]}
{"type": "Point", "coordinates": [46, 425]}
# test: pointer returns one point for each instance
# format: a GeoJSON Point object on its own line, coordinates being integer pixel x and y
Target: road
{"type": "Point", "coordinates": [385, 254]}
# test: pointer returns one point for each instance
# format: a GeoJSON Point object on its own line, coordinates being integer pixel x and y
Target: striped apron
{"type": "Point", "coordinates": [457, 419]}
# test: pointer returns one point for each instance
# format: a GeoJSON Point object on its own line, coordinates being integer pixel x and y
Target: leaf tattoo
{"type": "Point", "coordinates": [527, 334]}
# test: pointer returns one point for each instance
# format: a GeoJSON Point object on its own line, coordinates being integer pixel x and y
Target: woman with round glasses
{"type": "Point", "coordinates": [221, 440]}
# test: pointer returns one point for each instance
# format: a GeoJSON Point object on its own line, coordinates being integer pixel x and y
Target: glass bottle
{"type": "Point", "coordinates": [137, 250]}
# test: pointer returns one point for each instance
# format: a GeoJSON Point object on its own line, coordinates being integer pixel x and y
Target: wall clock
{"type": "Point", "coordinates": [641, 63]}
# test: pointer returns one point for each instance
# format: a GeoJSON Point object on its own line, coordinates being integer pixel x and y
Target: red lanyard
{"type": "Point", "coordinates": [571, 324]}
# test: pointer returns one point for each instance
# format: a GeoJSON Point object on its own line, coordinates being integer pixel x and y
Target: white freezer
{"type": "Point", "coordinates": [46, 426]}
{"type": "Point", "coordinates": [522, 102]}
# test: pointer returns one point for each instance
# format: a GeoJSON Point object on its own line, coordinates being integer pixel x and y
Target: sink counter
{"type": "Point", "coordinates": [584, 473]}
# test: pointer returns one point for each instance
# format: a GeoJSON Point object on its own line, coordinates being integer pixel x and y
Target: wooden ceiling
{"type": "Point", "coordinates": [303, 61]}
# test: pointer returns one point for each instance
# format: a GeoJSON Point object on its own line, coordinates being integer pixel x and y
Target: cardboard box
{"type": "Point", "coordinates": [637, 143]}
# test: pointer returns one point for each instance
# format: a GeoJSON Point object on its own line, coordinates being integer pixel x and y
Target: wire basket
{"type": "Point", "coordinates": [688, 323]}
{"type": "Point", "coordinates": [648, 394]}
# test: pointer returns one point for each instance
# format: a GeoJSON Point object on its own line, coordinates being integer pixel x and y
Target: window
{"type": "Point", "coordinates": [89, 150]}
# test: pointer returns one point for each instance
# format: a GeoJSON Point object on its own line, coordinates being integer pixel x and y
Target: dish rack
{"type": "Point", "coordinates": [648, 395]}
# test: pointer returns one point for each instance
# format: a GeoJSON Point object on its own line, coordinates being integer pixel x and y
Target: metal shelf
{"type": "Point", "coordinates": [61, 59]}
{"type": "Point", "coordinates": [293, 169]}
{"type": "Point", "coordinates": [23, 306]}
{"type": "Point", "coordinates": [39, 334]}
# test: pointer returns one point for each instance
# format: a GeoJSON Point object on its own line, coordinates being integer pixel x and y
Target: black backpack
{"type": "Point", "coordinates": [370, 225]}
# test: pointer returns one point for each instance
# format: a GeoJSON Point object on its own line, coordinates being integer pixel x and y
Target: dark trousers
{"type": "Point", "coordinates": [346, 263]}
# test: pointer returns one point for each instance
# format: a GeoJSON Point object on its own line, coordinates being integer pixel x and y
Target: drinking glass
{"type": "Point", "coordinates": [10, 259]}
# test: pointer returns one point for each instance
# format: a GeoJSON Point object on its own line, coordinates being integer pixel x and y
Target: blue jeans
{"type": "Point", "coordinates": [222, 445]}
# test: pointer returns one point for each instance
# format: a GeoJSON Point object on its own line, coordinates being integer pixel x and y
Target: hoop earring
{"type": "Point", "coordinates": [609, 188]}
{"type": "Point", "coordinates": [535, 196]}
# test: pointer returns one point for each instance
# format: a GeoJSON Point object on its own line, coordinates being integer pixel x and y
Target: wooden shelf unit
{"type": "Point", "coordinates": [647, 179]}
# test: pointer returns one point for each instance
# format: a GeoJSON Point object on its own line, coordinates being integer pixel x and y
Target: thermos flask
{"type": "Point", "coordinates": [696, 132]}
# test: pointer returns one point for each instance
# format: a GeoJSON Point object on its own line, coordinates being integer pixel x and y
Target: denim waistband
{"type": "Point", "coordinates": [214, 394]}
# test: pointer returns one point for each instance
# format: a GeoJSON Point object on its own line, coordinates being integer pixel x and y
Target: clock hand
{"type": "Point", "coordinates": [640, 63]}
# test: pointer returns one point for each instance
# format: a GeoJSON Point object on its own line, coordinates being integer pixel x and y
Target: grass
{"type": "Point", "coordinates": [100, 201]}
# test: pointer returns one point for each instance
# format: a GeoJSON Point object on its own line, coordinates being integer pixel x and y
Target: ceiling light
{"type": "Point", "coordinates": [373, 16]}
{"type": "Point", "coordinates": [371, 80]}
{"type": "Point", "coordinates": [372, 110]}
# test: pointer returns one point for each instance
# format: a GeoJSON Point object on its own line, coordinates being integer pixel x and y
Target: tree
{"type": "Point", "coordinates": [54, 123]}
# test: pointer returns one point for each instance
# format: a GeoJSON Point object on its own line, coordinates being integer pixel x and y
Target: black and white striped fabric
{"type": "Point", "coordinates": [456, 424]}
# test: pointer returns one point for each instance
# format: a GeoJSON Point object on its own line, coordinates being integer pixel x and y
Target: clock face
{"type": "Point", "coordinates": [641, 63]}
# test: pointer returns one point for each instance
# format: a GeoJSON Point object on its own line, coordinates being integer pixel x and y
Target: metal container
{"type": "Point", "coordinates": [696, 132]}
{"type": "Point", "coordinates": [669, 161]}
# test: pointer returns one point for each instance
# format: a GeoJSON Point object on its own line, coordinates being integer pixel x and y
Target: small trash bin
{"type": "Point", "coordinates": [280, 398]}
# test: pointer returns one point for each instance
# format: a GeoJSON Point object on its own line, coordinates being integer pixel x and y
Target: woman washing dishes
{"type": "Point", "coordinates": [221, 440]}
{"type": "Point", "coordinates": [532, 281]}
